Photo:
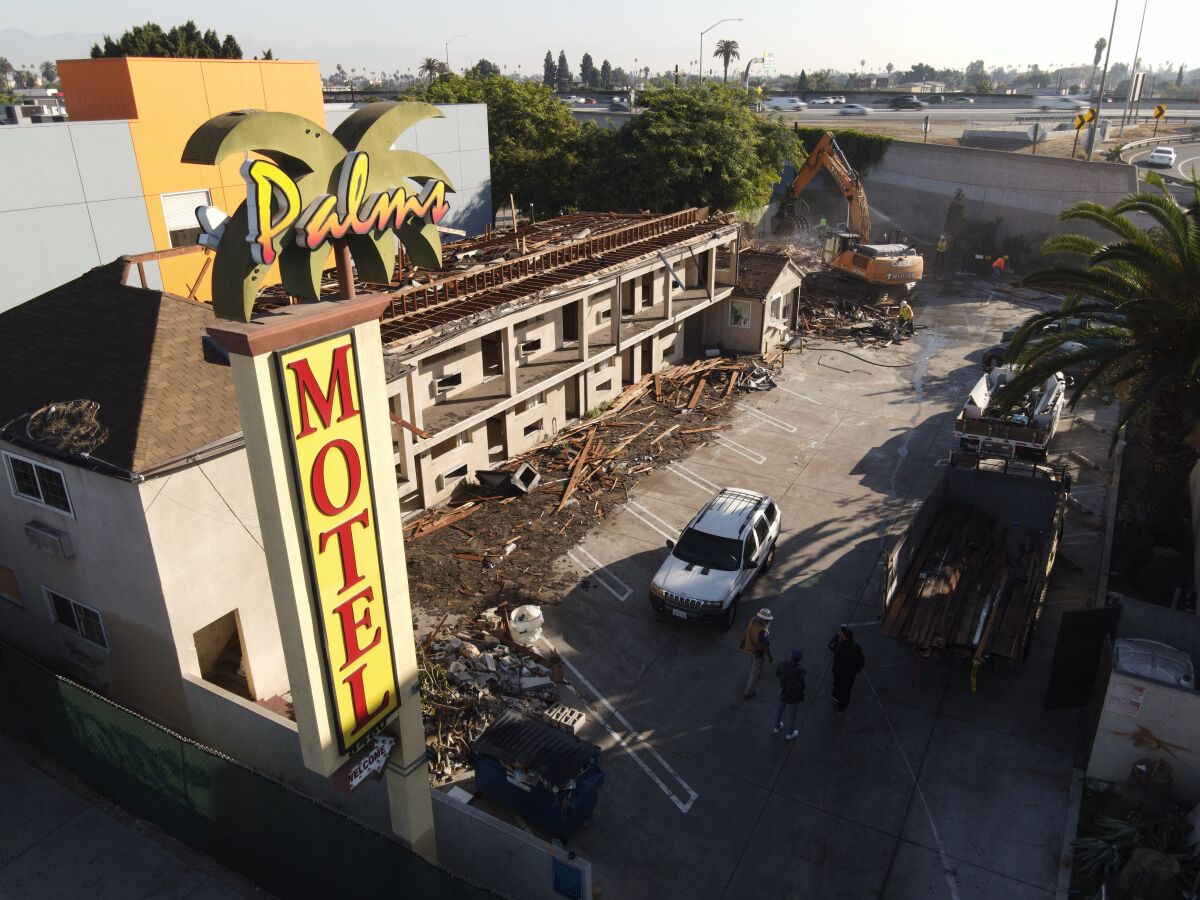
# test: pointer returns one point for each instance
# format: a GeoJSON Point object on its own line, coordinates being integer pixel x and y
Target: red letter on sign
{"type": "Point", "coordinates": [351, 625]}
{"type": "Point", "coordinates": [307, 391]}
{"type": "Point", "coordinates": [363, 716]}
{"type": "Point", "coordinates": [345, 542]}
{"type": "Point", "coordinates": [320, 490]}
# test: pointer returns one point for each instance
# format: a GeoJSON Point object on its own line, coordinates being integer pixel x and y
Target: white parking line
{"type": "Point", "coordinates": [646, 515]}
{"type": "Point", "coordinates": [798, 394]}
{"type": "Point", "coordinates": [635, 737]}
{"type": "Point", "coordinates": [771, 420]}
{"type": "Point", "coordinates": [755, 457]}
{"type": "Point", "coordinates": [594, 571]}
{"type": "Point", "coordinates": [692, 477]}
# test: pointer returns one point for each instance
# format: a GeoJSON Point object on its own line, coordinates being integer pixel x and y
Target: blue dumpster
{"type": "Point", "coordinates": [551, 778]}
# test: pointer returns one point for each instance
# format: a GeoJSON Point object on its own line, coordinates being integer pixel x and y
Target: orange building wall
{"type": "Point", "coordinates": [168, 99]}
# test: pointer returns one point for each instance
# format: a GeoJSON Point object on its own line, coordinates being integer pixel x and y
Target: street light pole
{"type": "Point", "coordinates": [702, 34]}
{"type": "Point", "coordinates": [448, 43]}
{"type": "Point", "coordinates": [1095, 127]}
{"type": "Point", "coordinates": [1133, 70]}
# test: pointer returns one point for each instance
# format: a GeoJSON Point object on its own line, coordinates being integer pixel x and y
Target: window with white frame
{"type": "Point", "coordinates": [43, 485]}
{"type": "Point", "coordinates": [777, 308]}
{"type": "Point", "coordinates": [75, 616]}
{"type": "Point", "coordinates": [179, 211]}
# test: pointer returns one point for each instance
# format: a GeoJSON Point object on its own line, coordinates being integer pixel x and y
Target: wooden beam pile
{"type": "Point", "coordinates": [968, 592]}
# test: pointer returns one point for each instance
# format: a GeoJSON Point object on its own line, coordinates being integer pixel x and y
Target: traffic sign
{"type": "Point", "coordinates": [1080, 121]}
{"type": "Point", "coordinates": [1160, 111]}
{"type": "Point", "coordinates": [1089, 115]}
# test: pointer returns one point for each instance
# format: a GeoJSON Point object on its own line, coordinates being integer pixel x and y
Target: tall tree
{"type": "Point", "coordinates": [431, 66]}
{"type": "Point", "coordinates": [24, 79]}
{"type": "Point", "coordinates": [1179, 77]}
{"type": "Point", "coordinates": [1099, 45]}
{"type": "Point", "coordinates": [890, 68]}
{"type": "Point", "coordinates": [563, 76]}
{"type": "Point", "coordinates": [6, 71]}
{"type": "Point", "coordinates": [485, 67]}
{"type": "Point", "coordinates": [922, 72]}
{"type": "Point", "coordinates": [49, 73]}
{"type": "Point", "coordinates": [727, 51]}
{"type": "Point", "coordinates": [268, 54]}
{"type": "Point", "coordinates": [549, 71]}
{"type": "Point", "coordinates": [186, 41]}
{"type": "Point", "coordinates": [606, 74]}
{"type": "Point", "coordinates": [1142, 288]}
{"type": "Point", "coordinates": [802, 81]}
{"type": "Point", "coordinates": [587, 71]}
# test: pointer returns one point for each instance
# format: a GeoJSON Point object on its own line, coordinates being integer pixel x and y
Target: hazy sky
{"type": "Point", "coordinates": [395, 35]}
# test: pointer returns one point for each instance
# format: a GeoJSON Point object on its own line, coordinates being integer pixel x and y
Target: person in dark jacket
{"type": "Point", "coordinates": [848, 661]}
{"type": "Point", "coordinates": [791, 693]}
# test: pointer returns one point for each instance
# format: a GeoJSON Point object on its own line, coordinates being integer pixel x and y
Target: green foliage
{"type": "Point", "coordinates": [606, 74]}
{"type": "Point", "coordinates": [983, 86]}
{"type": "Point", "coordinates": [1141, 289]}
{"type": "Point", "coordinates": [588, 73]}
{"type": "Point", "coordinates": [863, 149]}
{"type": "Point", "coordinates": [922, 72]}
{"type": "Point", "coordinates": [563, 71]}
{"type": "Point", "coordinates": [802, 81]}
{"type": "Point", "coordinates": [689, 147]}
{"type": "Point", "coordinates": [49, 73]}
{"type": "Point", "coordinates": [432, 67]}
{"type": "Point", "coordinates": [820, 80]}
{"type": "Point", "coordinates": [727, 51]}
{"type": "Point", "coordinates": [183, 41]}
{"type": "Point", "coordinates": [534, 139]}
{"type": "Point", "coordinates": [549, 71]}
{"type": "Point", "coordinates": [485, 67]}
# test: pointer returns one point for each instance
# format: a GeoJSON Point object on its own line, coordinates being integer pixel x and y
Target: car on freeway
{"type": "Point", "coordinates": [619, 106]}
{"type": "Point", "coordinates": [1161, 156]}
{"type": "Point", "coordinates": [729, 542]}
{"type": "Point", "coordinates": [962, 100]}
{"type": "Point", "coordinates": [854, 109]}
{"type": "Point", "coordinates": [935, 98]}
{"type": "Point", "coordinates": [906, 103]}
{"type": "Point", "coordinates": [786, 104]}
{"type": "Point", "coordinates": [1067, 103]}
{"type": "Point", "coordinates": [824, 101]}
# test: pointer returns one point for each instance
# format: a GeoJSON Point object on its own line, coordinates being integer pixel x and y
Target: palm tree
{"type": "Point", "coordinates": [1100, 45]}
{"type": "Point", "coordinates": [727, 51]}
{"type": "Point", "coordinates": [431, 66]}
{"type": "Point", "coordinates": [1141, 293]}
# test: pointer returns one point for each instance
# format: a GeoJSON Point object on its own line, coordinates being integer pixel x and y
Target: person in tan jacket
{"type": "Point", "coordinates": [757, 643]}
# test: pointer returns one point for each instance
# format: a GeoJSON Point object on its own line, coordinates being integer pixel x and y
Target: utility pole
{"type": "Point", "coordinates": [1133, 70]}
{"type": "Point", "coordinates": [702, 34]}
{"type": "Point", "coordinates": [1091, 144]}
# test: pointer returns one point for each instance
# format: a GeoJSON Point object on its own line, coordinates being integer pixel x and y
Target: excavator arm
{"type": "Point", "coordinates": [828, 156]}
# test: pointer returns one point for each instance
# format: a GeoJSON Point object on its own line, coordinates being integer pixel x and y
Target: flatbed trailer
{"type": "Point", "coordinates": [967, 576]}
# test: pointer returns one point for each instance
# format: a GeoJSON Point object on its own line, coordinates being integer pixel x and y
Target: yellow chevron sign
{"type": "Point", "coordinates": [1160, 111]}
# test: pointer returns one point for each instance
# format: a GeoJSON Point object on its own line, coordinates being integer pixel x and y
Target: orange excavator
{"type": "Point", "coordinates": [856, 269]}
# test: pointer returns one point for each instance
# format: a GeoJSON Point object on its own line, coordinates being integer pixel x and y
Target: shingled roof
{"type": "Point", "coordinates": [135, 352]}
{"type": "Point", "coordinates": [758, 270]}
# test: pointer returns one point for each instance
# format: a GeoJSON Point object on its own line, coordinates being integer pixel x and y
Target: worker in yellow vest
{"type": "Point", "coordinates": [905, 325]}
{"type": "Point", "coordinates": [941, 248]}
{"type": "Point", "coordinates": [757, 643]}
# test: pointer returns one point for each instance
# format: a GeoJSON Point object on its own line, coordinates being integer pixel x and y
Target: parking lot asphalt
{"type": "Point", "coordinates": [923, 788]}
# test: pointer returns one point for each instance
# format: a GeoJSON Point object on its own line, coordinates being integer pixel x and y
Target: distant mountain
{"type": "Point", "coordinates": [23, 48]}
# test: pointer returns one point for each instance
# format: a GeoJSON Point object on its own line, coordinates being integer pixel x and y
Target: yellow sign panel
{"type": "Point", "coordinates": [1160, 111]}
{"type": "Point", "coordinates": [331, 471]}
{"type": "Point", "coordinates": [1080, 121]}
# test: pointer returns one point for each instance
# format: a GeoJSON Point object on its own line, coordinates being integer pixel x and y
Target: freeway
{"type": "Point", "coordinates": [965, 113]}
{"type": "Point", "coordinates": [1187, 160]}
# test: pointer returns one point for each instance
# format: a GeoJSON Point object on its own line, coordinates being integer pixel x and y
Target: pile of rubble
{"type": "Point", "coordinates": [472, 674]}
{"type": "Point", "coordinates": [502, 540]}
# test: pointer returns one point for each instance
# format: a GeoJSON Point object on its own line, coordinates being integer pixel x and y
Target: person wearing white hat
{"type": "Point", "coordinates": [757, 643]}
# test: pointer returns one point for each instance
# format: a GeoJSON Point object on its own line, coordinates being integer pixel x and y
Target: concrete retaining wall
{"type": "Point", "coordinates": [914, 184]}
{"type": "Point", "coordinates": [482, 849]}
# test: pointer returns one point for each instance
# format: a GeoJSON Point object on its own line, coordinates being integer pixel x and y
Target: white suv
{"type": "Point", "coordinates": [730, 541]}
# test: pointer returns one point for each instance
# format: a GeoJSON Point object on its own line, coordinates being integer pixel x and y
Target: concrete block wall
{"type": "Point", "coordinates": [603, 382]}
{"type": "Point", "coordinates": [548, 330]}
{"type": "Point", "coordinates": [472, 452]}
{"type": "Point", "coordinates": [492, 853]}
{"type": "Point", "coordinates": [551, 413]}
{"type": "Point", "coordinates": [467, 362]}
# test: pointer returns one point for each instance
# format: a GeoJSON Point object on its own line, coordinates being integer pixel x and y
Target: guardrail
{"type": "Point", "coordinates": [1165, 139]}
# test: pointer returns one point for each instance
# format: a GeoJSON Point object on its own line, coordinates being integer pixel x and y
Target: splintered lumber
{"type": "Point", "coordinates": [664, 434]}
{"type": "Point", "coordinates": [702, 430]}
{"type": "Point", "coordinates": [577, 470]}
{"type": "Point", "coordinates": [700, 382]}
{"type": "Point", "coordinates": [404, 423]}
{"type": "Point", "coordinates": [657, 387]}
{"type": "Point", "coordinates": [620, 448]}
{"type": "Point", "coordinates": [733, 380]}
{"type": "Point", "coordinates": [428, 527]}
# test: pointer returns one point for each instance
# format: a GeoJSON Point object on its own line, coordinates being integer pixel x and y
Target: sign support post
{"type": "Point", "coordinates": [311, 393]}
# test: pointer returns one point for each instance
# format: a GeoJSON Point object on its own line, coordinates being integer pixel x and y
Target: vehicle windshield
{"type": "Point", "coordinates": [708, 550]}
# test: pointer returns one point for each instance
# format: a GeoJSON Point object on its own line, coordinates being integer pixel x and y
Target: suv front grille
{"type": "Point", "coordinates": [681, 602]}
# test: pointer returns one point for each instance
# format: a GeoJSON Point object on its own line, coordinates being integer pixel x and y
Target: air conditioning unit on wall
{"type": "Point", "coordinates": [79, 667]}
{"type": "Point", "coordinates": [50, 540]}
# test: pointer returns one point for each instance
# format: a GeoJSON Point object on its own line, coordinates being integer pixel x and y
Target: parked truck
{"type": "Point", "coordinates": [1022, 432]}
{"type": "Point", "coordinates": [967, 576]}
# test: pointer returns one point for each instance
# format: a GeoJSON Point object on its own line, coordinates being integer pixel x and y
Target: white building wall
{"type": "Point", "coordinates": [205, 536]}
{"type": "Point", "coordinates": [113, 571]}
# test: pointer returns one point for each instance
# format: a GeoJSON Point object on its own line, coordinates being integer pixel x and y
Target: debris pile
{"type": "Point", "coordinates": [472, 674]}
{"type": "Point", "coordinates": [500, 544]}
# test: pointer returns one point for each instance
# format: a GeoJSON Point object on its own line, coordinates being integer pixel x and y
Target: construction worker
{"type": "Point", "coordinates": [941, 248]}
{"type": "Point", "coordinates": [906, 318]}
{"type": "Point", "coordinates": [999, 264]}
{"type": "Point", "coordinates": [756, 643]}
